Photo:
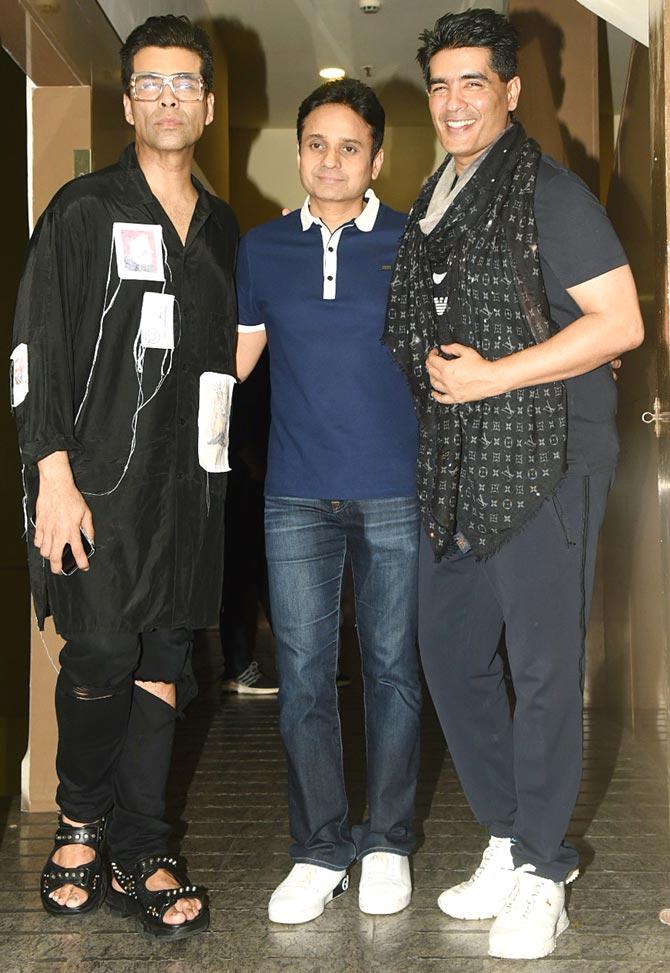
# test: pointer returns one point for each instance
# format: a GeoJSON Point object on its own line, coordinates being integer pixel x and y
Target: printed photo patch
{"type": "Point", "coordinates": [18, 379]}
{"type": "Point", "coordinates": [139, 251]}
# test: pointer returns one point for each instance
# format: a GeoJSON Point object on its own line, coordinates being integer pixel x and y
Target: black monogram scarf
{"type": "Point", "coordinates": [484, 467]}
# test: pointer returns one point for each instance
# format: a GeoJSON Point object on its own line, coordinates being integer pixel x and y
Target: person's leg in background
{"type": "Point", "coordinates": [244, 587]}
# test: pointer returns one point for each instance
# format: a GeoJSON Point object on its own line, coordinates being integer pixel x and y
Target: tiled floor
{"type": "Point", "coordinates": [228, 787]}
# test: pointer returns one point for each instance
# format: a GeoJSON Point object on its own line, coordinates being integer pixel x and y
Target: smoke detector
{"type": "Point", "coordinates": [370, 6]}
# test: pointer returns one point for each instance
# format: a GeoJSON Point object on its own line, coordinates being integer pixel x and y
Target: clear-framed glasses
{"type": "Point", "coordinates": [148, 86]}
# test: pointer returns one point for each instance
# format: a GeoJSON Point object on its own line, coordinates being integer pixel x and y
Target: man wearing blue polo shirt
{"type": "Point", "coordinates": [340, 483]}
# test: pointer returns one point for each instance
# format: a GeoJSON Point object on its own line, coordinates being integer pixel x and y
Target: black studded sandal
{"type": "Point", "coordinates": [150, 907]}
{"type": "Point", "coordinates": [91, 877]}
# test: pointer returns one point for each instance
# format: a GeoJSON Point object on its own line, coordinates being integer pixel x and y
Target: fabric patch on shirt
{"type": "Point", "coordinates": [139, 251]}
{"type": "Point", "coordinates": [216, 393]}
{"type": "Point", "coordinates": [157, 320]}
{"type": "Point", "coordinates": [19, 374]}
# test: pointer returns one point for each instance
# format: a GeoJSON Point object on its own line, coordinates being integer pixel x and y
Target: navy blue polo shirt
{"type": "Point", "coordinates": [343, 425]}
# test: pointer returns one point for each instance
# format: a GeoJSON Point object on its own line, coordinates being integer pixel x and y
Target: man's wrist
{"type": "Point", "coordinates": [55, 466]}
{"type": "Point", "coordinates": [501, 376]}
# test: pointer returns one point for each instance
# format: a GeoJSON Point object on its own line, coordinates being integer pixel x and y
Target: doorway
{"type": "Point", "coordinates": [14, 593]}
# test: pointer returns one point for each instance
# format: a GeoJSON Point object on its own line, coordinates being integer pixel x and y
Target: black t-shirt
{"type": "Point", "coordinates": [577, 242]}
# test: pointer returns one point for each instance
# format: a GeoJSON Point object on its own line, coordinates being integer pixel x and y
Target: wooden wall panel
{"type": "Point", "coordinates": [558, 64]}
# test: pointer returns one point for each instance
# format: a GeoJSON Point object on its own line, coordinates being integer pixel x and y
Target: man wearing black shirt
{"type": "Point", "coordinates": [510, 295]}
{"type": "Point", "coordinates": [121, 386]}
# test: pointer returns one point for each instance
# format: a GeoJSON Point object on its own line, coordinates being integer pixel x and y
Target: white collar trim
{"type": "Point", "coordinates": [364, 222]}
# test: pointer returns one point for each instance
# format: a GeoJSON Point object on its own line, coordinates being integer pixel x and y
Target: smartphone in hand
{"type": "Point", "coordinates": [68, 563]}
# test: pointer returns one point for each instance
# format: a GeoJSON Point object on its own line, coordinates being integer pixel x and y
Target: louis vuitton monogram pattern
{"type": "Point", "coordinates": [484, 467]}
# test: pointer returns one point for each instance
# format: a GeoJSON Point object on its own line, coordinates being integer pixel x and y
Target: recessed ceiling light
{"type": "Point", "coordinates": [332, 74]}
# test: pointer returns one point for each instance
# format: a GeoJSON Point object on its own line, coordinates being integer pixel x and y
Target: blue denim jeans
{"type": "Point", "coordinates": [307, 542]}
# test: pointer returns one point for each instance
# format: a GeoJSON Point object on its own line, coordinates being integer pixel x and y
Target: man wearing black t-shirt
{"type": "Point", "coordinates": [509, 296]}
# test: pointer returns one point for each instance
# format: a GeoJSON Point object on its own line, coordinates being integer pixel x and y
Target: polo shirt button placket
{"type": "Point", "coordinates": [329, 264]}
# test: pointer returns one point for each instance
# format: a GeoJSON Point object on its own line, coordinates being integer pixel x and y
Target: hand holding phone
{"type": "Point", "coordinates": [69, 565]}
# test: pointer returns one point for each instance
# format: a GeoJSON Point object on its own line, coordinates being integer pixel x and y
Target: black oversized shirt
{"type": "Point", "coordinates": [159, 532]}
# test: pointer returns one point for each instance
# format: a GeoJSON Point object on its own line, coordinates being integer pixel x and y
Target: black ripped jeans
{"type": "Point", "coordinates": [115, 738]}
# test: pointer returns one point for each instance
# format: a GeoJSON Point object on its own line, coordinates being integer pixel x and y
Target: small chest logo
{"type": "Point", "coordinates": [386, 267]}
{"type": "Point", "coordinates": [441, 305]}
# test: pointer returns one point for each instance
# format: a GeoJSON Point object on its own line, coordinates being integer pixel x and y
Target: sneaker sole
{"type": "Point", "coordinates": [242, 690]}
{"type": "Point", "coordinates": [545, 949]}
{"type": "Point", "coordinates": [470, 917]}
{"type": "Point", "coordinates": [372, 909]}
{"type": "Point", "coordinates": [456, 912]}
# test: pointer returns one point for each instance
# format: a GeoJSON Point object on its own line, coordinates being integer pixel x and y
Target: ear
{"type": "Point", "coordinates": [297, 156]}
{"type": "Point", "coordinates": [377, 163]}
{"type": "Point", "coordinates": [513, 92]}
{"type": "Point", "coordinates": [209, 101]}
{"type": "Point", "coordinates": [128, 110]}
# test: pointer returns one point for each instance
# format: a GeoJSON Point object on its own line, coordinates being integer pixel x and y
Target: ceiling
{"type": "Point", "coordinates": [277, 47]}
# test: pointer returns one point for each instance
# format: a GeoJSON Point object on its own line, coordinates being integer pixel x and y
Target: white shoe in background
{"type": "Point", "coordinates": [484, 894]}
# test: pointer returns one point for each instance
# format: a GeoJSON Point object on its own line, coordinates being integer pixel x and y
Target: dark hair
{"type": "Point", "coordinates": [472, 28]}
{"type": "Point", "coordinates": [168, 31]}
{"type": "Point", "coordinates": [355, 95]}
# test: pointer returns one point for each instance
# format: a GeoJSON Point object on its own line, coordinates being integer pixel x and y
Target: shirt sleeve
{"type": "Point", "coordinates": [43, 332]}
{"type": "Point", "coordinates": [250, 317]}
{"type": "Point", "coordinates": [575, 235]}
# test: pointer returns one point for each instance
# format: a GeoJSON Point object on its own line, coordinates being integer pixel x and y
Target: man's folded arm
{"type": "Point", "coordinates": [610, 324]}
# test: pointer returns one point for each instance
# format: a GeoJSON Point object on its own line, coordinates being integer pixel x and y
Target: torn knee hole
{"type": "Point", "coordinates": [92, 692]}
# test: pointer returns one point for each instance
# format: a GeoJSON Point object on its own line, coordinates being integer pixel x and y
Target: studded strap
{"type": "Point", "coordinates": [86, 834]}
{"type": "Point", "coordinates": [147, 866]}
{"type": "Point", "coordinates": [83, 876]}
{"type": "Point", "coordinates": [156, 903]}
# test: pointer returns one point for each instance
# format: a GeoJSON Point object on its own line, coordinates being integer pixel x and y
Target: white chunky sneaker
{"type": "Point", "coordinates": [386, 885]}
{"type": "Point", "coordinates": [484, 894]}
{"type": "Point", "coordinates": [305, 892]}
{"type": "Point", "coordinates": [531, 920]}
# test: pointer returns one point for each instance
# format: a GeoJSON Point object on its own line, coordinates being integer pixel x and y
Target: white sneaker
{"type": "Point", "coordinates": [386, 885]}
{"type": "Point", "coordinates": [305, 892]}
{"type": "Point", "coordinates": [531, 920]}
{"type": "Point", "coordinates": [484, 894]}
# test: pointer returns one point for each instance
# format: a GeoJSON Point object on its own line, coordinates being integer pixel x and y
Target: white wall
{"type": "Point", "coordinates": [124, 16]}
{"type": "Point", "coordinates": [630, 16]}
{"type": "Point", "coordinates": [264, 174]}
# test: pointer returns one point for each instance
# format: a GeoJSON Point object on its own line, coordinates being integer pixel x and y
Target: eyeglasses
{"type": "Point", "coordinates": [148, 86]}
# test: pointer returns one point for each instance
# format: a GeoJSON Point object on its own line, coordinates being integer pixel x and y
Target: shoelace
{"type": "Point", "coordinates": [491, 858]}
{"type": "Point", "coordinates": [305, 876]}
{"type": "Point", "coordinates": [529, 898]}
{"type": "Point", "coordinates": [383, 863]}
{"type": "Point", "coordinates": [250, 674]}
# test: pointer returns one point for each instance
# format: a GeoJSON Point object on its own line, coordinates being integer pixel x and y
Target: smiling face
{"type": "Point", "coordinates": [468, 102]}
{"type": "Point", "coordinates": [335, 156]}
{"type": "Point", "coordinates": [168, 124]}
